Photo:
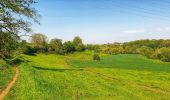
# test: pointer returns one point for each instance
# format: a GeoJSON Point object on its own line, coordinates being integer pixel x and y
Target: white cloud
{"type": "Point", "coordinates": [164, 28]}
{"type": "Point", "coordinates": [135, 31]}
{"type": "Point", "coordinates": [167, 28]}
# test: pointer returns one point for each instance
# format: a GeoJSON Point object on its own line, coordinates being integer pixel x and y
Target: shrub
{"type": "Point", "coordinates": [3, 64]}
{"type": "Point", "coordinates": [68, 47]}
{"type": "Point", "coordinates": [96, 57]}
{"type": "Point", "coordinates": [113, 50]}
{"type": "Point", "coordinates": [96, 48]}
{"type": "Point", "coordinates": [145, 51]}
{"type": "Point", "coordinates": [28, 50]}
{"type": "Point", "coordinates": [163, 54]}
{"type": "Point", "coordinates": [14, 61]}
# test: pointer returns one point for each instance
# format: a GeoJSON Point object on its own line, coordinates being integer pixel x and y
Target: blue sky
{"type": "Point", "coordinates": [103, 21]}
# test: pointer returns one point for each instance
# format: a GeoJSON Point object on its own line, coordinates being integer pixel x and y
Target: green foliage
{"type": "Point", "coordinates": [146, 51]}
{"type": "Point", "coordinates": [68, 47]}
{"type": "Point", "coordinates": [56, 46]}
{"type": "Point", "coordinates": [40, 42]}
{"type": "Point", "coordinates": [165, 43]}
{"type": "Point", "coordinates": [163, 54]}
{"type": "Point", "coordinates": [14, 61]}
{"type": "Point", "coordinates": [130, 49]}
{"type": "Point", "coordinates": [3, 64]}
{"type": "Point", "coordinates": [94, 47]}
{"type": "Point", "coordinates": [80, 47]}
{"type": "Point", "coordinates": [77, 40]}
{"type": "Point", "coordinates": [113, 49]}
{"type": "Point", "coordinates": [29, 50]}
{"type": "Point", "coordinates": [78, 44]}
{"type": "Point", "coordinates": [96, 57]}
{"type": "Point", "coordinates": [143, 47]}
{"type": "Point", "coordinates": [23, 43]}
{"type": "Point", "coordinates": [26, 48]}
{"type": "Point", "coordinates": [154, 44]}
{"type": "Point", "coordinates": [13, 14]}
{"type": "Point", "coordinates": [8, 44]}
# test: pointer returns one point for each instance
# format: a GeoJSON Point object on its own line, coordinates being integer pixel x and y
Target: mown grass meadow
{"type": "Point", "coordinates": [116, 77]}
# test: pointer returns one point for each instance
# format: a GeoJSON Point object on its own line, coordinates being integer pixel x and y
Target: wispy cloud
{"type": "Point", "coordinates": [135, 31]}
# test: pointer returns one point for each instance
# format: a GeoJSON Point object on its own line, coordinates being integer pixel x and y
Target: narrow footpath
{"type": "Point", "coordinates": [7, 89]}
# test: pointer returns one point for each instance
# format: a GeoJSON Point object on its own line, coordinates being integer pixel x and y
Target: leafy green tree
{"type": "Point", "coordinates": [8, 44]}
{"type": "Point", "coordinates": [68, 47]}
{"type": "Point", "coordinates": [26, 48]}
{"type": "Point", "coordinates": [146, 51]}
{"type": "Point", "coordinates": [163, 54]}
{"type": "Point", "coordinates": [166, 43]}
{"type": "Point", "coordinates": [40, 42]}
{"type": "Point", "coordinates": [78, 44]}
{"type": "Point", "coordinates": [14, 13]}
{"type": "Point", "coordinates": [56, 46]}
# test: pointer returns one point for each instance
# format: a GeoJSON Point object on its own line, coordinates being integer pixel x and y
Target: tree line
{"type": "Point", "coordinates": [153, 49]}
{"type": "Point", "coordinates": [40, 44]}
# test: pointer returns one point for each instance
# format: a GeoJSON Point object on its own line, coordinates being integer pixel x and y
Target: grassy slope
{"type": "Point", "coordinates": [114, 77]}
{"type": "Point", "coordinates": [128, 61]}
{"type": "Point", "coordinates": [6, 74]}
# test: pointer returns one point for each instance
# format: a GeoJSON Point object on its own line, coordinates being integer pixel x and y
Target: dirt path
{"type": "Point", "coordinates": [6, 90]}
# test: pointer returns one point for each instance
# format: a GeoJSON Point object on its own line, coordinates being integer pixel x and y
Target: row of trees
{"type": "Point", "coordinates": [156, 49]}
{"type": "Point", "coordinates": [39, 43]}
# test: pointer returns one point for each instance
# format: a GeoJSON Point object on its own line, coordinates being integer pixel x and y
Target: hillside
{"type": "Point", "coordinates": [114, 77]}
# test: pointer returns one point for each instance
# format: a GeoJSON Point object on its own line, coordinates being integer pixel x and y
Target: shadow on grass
{"type": "Point", "coordinates": [14, 61]}
{"type": "Point", "coordinates": [32, 54]}
{"type": "Point", "coordinates": [59, 70]}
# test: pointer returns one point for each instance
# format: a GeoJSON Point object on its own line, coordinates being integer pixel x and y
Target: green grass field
{"type": "Point", "coordinates": [6, 73]}
{"type": "Point", "coordinates": [117, 77]}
